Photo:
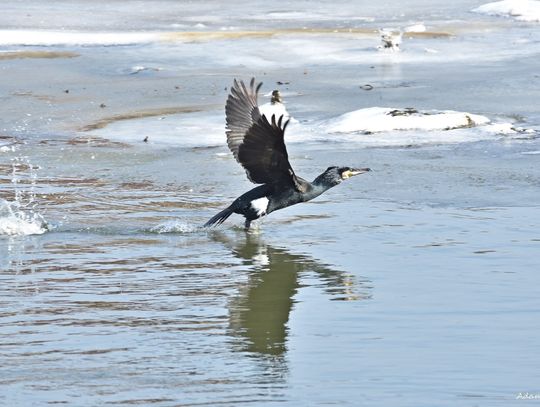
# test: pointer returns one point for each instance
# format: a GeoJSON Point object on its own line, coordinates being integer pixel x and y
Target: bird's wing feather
{"type": "Point", "coordinates": [258, 144]}
{"type": "Point", "coordinates": [241, 113]}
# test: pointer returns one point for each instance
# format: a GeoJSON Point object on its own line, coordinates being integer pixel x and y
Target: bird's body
{"type": "Point", "coordinates": [258, 145]}
{"type": "Point", "coordinates": [261, 201]}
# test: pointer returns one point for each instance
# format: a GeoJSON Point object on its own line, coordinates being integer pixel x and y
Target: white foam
{"type": "Point", "coordinates": [522, 10]}
{"type": "Point", "coordinates": [14, 222]}
{"type": "Point", "coordinates": [379, 119]}
{"type": "Point", "coordinates": [48, 38]}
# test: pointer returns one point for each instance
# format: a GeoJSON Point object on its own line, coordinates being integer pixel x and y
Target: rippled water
{"type": "Point", "coordinates": [356, 296]}
{"type": "Point", "coordinates": [413, 285]}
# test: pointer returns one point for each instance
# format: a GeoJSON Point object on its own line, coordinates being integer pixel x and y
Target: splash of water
{"type": "Point", "coordinates": [174, 226]}
{"type": "Point", "coordinates": [14, 222]}
{"type": "Point", "coordinates": [20, 216]}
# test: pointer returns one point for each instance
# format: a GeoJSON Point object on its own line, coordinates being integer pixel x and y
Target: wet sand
{"type": "Point", "coordinates": [37, 54]}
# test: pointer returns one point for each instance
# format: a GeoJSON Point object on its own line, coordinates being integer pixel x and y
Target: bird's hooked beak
{"type": "Point", "coordinates": [354, 171]}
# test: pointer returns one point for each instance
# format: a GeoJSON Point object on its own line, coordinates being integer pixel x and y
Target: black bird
{"type": "Point", "coordinates": [258, 145]}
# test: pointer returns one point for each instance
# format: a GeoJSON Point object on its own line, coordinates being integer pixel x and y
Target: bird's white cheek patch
{"type": "Point", "coordinates": [260, 205]}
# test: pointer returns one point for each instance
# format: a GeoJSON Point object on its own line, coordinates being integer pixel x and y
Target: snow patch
{"type": "Point", "coordinates": [277, 109]}
{"type": "Point", "coordinates": [522, 10]}
{"type": "Point", "coordinates": [379, 119]}
{"type": "Point", "coordinates": [416, 28]}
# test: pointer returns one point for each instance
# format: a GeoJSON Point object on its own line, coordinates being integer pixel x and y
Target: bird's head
{"type": "Point", "coordinates": [335, 175]}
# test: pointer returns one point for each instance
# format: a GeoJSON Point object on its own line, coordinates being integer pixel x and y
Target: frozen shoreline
{"type": "Point", "coordinates": [115, 74]}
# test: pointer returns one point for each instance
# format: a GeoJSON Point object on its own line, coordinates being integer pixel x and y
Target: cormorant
{"type": "Point", "coordinates": [258, 145]}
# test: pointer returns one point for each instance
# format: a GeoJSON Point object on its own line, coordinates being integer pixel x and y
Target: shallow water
{"type": "Point", "coordinates": [413, 285]}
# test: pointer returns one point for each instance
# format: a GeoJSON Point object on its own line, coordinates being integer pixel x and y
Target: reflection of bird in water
{"type": "Point", "coordinates": [258, 145]}
{"type": "Point", "coordinates": [259, 314]}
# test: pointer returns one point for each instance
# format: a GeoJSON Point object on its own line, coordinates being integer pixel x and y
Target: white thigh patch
{"type": "Point", "coordinates": [260, 205]}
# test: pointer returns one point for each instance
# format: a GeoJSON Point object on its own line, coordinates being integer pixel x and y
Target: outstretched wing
{"type": "Point", "coordinates": [241, 113]}
{"type": "Point", "coordinates": [256, 143]}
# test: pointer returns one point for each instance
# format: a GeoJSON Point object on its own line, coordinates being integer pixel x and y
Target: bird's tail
{"type": "Point", "coordinates": [219, 218]}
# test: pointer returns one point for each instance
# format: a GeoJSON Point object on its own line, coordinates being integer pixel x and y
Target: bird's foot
{"type": "Point", "coordinates": [254, 228]}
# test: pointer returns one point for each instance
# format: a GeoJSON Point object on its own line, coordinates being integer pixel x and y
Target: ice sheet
{"type": "Point", "coordinates": [365, 127]}
{"type": "Point", "coordinates": [49, 38]}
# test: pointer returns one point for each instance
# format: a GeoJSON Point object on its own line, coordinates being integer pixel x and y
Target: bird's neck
{"type": "Point", "coordinates": [319, 186]}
